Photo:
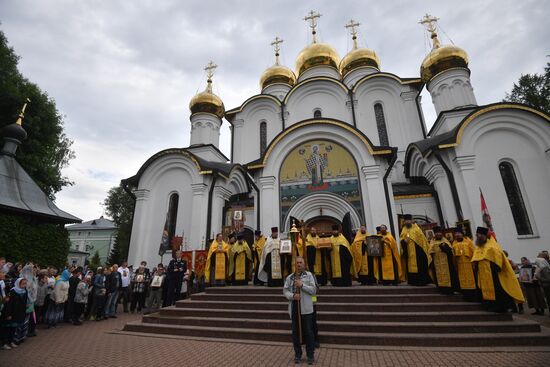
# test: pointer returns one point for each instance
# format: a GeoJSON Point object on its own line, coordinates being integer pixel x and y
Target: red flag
{"type": "Point", "coordinates": [486, 217]}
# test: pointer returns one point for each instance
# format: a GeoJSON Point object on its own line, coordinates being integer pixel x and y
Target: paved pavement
{"type": "Point", "coordinates": [99, 344]}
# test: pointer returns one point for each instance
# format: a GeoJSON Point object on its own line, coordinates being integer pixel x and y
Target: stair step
{"type": "Point", "coordinates": [328, 290]}
{"type": "Point", "coordinates": [393, 339]}
{"type": "Point", "coordinates": [335, 298]}
{"type": "Point", "coordinates": [354, 326]}
{"type": "Point", "coordinates": [456, 316]}
{"type": "Point", "coordinates": [332, 306]}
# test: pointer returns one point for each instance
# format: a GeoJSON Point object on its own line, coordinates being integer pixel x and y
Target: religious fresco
{"type": "Point", "coordinates": [318, 165]}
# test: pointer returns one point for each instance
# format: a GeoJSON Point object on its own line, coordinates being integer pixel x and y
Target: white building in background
{"type": "Point", "coordinates": [341, 141]}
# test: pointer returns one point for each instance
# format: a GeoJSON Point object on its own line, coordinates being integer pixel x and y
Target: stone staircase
{"type": "Point", "coordinates": [360, 315]}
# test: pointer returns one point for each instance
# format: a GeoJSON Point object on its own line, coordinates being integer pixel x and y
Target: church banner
{"type": "Point", "coordinates": [200, 262]}
{"type": "Point", "coordinates": [318, 165]}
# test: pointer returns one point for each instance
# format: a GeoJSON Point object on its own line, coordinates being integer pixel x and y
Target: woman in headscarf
{"type": "Point", "coordinates": [60, 294]}
{"type": "Point", "coordinates": [531, 286]}
{"type": "Point", "coordinates": [27, 327]}
{"type": "Point", "coordinates": [14, 313]}
{"type": "Point", "coordinates": [542, 274]}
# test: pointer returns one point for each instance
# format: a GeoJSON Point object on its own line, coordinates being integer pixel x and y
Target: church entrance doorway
{"type": "Point", "coordinates": [323, 224]}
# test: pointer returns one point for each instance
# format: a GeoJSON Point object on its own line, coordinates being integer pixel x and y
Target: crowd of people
{"type": "Point", "coordinates": [478, 267]}
{"type": "Point", "coordinates": [32, 296]}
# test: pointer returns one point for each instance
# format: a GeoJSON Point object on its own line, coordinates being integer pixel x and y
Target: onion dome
{"type": "Point", "coordinates": [440, 58]}
{"type": "Point", "coordinates": [277, 73]}
{"type": "Point", "coordinates": [207, 101]}
{"type": "Point", "coordinates": [317, 54]}
{"type": "Point", "coordinates": [358, 57]}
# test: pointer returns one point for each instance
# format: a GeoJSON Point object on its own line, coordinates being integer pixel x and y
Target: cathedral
{"type": "Point", "coordinates": [340, 141]}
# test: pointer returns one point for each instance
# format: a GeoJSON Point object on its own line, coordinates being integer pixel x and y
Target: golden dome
{"type": "Point", "coordinates": [359, 57]}
{"type": "Point", "coordinates": [316, 54]}
{"type": "Point", "coordinates": [277, 74]}
{"type": "Point", "coordinates": [207, 102]}
{"type": "Point", "coordinates": [442, 58]}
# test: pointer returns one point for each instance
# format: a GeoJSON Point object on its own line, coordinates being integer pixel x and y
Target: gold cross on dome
{"type": "Point", "coordinates": [276, 47]}
{"type": "Point", "coordinates": [352, 25]}
{"type": "Point", "coordinates": [276, 42]}
{"type": "Point", "coordinates": [429, 21]}
{"type": "Point", "coordinates": [312, 19]}
{"type": "Point", "coordinates": [22, 113]}
{"type": "Point", "coordinates": [210, 67]}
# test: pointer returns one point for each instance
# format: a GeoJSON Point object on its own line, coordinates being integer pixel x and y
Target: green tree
{"type": "Point", "coordinates": [44, 153]}
{"type": "Point", "coordinates": [120, 206]}
{"type": "Point", "coordinates": [532, 90]}
{"type": "Point", "coordinates": [47, 150]}
{"type": "Point", "coordinates": [95, 261]}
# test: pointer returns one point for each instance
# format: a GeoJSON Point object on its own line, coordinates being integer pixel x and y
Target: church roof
{"type": "Point", "coordinates": [100, 223]}
{"type": "Point", "coordinates": [204, 166]}
{"type": "Point", "coordinates": [452, 138]}
{"type": "Point", "coordinates": [19, 193]}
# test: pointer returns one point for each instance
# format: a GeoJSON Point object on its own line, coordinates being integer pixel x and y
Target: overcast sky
{"type": "Point", "coordinates": [123, 72]}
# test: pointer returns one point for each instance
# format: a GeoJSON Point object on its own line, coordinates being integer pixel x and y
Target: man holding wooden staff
{"type": "Point", "coordinates": [299, 288]}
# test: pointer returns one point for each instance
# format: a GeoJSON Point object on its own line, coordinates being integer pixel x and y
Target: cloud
{"type": "Point", "coordinates": [123, 72]}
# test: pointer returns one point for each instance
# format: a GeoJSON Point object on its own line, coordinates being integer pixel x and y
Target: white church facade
{"type": "Point", "coordinates": [339, 141]}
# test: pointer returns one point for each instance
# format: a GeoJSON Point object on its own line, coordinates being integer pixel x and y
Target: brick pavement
{"type": "Point", "coordinates": [95, 344]}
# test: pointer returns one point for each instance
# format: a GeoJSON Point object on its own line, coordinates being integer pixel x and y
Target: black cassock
{"type": "Point", "coordinates": [503, 302]}
{"type": "Point", "coordinates": [267, 268]}
{"type": "Point", "coordinates": [452, 271]}
{"type": "Point", "coordinates": [345, 265]}
{"type": "Point", "coordinates": [311, 256]}
{"type": "Point", "coordinates": [368, 279]}
{"type": "Point", "coordinates": [423, 275]}
{"type": "Point", "coordinates": [247, 270]}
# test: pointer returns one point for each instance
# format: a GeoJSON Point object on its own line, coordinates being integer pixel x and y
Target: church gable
{"type": "Point", "coordinates": [326, 95]}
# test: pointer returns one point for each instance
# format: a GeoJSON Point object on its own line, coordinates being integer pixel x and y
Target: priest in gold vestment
{"type": "Point", "coordinates": [463, 250]}
{"type": "Point", "coordinates": [257, 248]}
{"type": "Point", "coordinates": [316, 257]}
{"type": "Point", "coordinates": [240, 262]}
{"type": "Point", "coordinates": [389, 265]}
{"type": "Point", "coordinates": [270, 262]}
{"type": "Point", "coordinates": [500, 289]}
{"type": "Point", "coordinates": [341, 260]}
{"type": "Point", "coordinates": [442, 264]}
{"type": "Point", "coordinates": [217, 262]}
{"type": "Point", "coordinates": [414, 253]}
{"type": "Point", "coordinates": [364, 264]}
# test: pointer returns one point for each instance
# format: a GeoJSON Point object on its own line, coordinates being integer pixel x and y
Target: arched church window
{"type": "Point", "coordinates": [317, 113]}
{"type": "Point", "coordinates": [515, 198]}
{"type": "Point", "coordinates": [172, 214]}
{"type": "Point", "coordinates": [263, 137]}
{"type": "Point", "coordinates": [381, 124]}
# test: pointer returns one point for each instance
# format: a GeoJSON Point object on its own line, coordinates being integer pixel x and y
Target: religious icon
{"type": "Point", "coordinates": [375, 245]}
{"type": "Point", "coordinates": [286, 247]}
{"type": "Point", "coordinates": [238, 215]}
{"type": "Point", "coordinates": [429, 234]}
{"type": "Point", "coordinates": [157, 281]}
{"type": "Point", "coordinates": [316, 164]}
{"type": "Point", "coordinates": [525, 275]}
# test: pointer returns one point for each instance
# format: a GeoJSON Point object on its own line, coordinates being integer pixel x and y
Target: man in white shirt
{"type": "Point", "coordinates": [124, 291]}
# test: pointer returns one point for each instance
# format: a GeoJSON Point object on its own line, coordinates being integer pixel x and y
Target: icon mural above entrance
{"type": "Point", "coordinates": [315, 166]}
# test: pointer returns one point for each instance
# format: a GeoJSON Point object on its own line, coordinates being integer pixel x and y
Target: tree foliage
{"type": "Point", "coordinates": [532, 90]}
{"type": "Point", "coordinates": [95, 261]}
{"type": "Point", "coordinates": [23, 239]}
{"type": "Point", "coordinates": [47, 150]}
{"type": "Point", "coordinates": [120, 206]}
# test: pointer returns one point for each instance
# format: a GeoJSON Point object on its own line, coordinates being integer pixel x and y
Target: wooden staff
{"type": "Point", "coordinates": [293, 237]}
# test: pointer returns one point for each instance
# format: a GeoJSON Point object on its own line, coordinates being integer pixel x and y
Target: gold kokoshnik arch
{"type": "Point", "coordinates": [372, 149]}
